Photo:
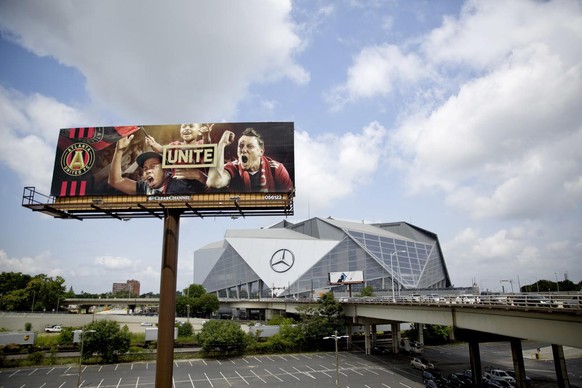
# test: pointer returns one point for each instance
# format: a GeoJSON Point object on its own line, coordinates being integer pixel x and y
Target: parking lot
{"type": "Point", "coordinates": [289, 370]}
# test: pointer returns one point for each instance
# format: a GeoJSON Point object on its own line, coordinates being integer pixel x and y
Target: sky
{"type": "Point", "coordinates": [460, 117]}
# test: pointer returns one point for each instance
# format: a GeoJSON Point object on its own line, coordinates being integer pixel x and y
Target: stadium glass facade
{"type": "Point", "coordinates": [295, 259]}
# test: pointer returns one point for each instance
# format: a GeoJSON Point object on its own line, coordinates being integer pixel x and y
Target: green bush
{"type": "Point", "coordinates": [185, 330]}
{"type": "Point", "coordinates": [66, 336]}
{"type": "Point", "coordinates": [137, 339]}
{"type": "Point", "coordinates": [35, 358]}
{"type": "Point", "coordinates": [47, 341]}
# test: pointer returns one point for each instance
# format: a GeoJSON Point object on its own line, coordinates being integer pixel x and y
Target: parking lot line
{"type": "Point", "coordinates": [277, 377]}
{"type": "Point", "coordinates": [225, 379]}
{"type": "Point", "coordinates": [324, 371]}
{"type": "Point", "coordinates": [290, 374]}
{"type": "Point", "coordinates": [243, 379]}
{"type": "Point", "coordinates": [259, 377]}
{"type": "Point", "coordinates": [207, 378]}
{"type": "Point", "coordinates": [305, 373]}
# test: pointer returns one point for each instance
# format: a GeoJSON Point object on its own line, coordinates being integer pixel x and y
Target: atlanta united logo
{"type": "Point", "coordinates": [77, 159]}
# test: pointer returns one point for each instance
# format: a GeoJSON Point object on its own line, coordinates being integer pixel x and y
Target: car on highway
{"type": "Point", "coordinates": [467, 299]}
{"type": "Point", "coordinates": [531, 300]}
{"type": "Point", "coordinates": [413, 298]}
{"type": "Point", "coordinates": [53, 329]}
{"type": "Point", "coordinates": [573, 302]}
{"type": "Point", "coordinates": [432, 298]}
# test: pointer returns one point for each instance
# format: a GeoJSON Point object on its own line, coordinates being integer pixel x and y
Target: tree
{"type": "Point", "coordinates": [109, 340]}
{"type": "Point", "coordinates": [320, 319]}
{"type": "Point", "coordinates": [222, 337]}
{"type": "Point", "coordinates": [367, 291]}
{"type": "Point", "coordinates": [201, 303]}
{"type": "Point", "coordinates": [25, 293]}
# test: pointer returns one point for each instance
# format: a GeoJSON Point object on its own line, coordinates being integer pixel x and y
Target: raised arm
{"type": "Point", "coordinates": [116, 179]}
{"type": "Point", "coordinates": [157, 147]}
{"type": "Point", "coordinates": [218, 177]}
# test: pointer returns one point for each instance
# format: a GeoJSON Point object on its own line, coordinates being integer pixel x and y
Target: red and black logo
{"type": "Point", "coordinates": [77, 159]}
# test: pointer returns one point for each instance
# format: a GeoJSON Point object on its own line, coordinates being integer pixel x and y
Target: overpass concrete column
{"type": "Point", "coordinates": [420, 333]}
{"type": "Point", "coordinates": [373, 335]}
{"type": "Point", "coordinates": [349, 332]}
{"type": "Point", "coordinates": [560, 365]}
{"type": "Point", "coordinates": [367, 347]}
{"type": "Point", "coordinates": [518, 366]}
{"type": "Point", "coordinates": [475, 360]}
{"type": "Point", "coordinates": [395, 331]}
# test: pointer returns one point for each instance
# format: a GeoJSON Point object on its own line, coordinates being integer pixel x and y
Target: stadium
{"type": "Point", "coordinates": [296, 259]}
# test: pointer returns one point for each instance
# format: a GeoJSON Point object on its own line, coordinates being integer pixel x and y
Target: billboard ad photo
{"type": "Point", "coordinates": [347, 277]}
{"type": "Point", "coordinates": [180, 159]}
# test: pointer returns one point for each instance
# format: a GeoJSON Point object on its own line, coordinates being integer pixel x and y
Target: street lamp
{"type": "Point", "coordinates": [557, 284]}
{"type": "Point", "coordinates": [336, 338]}
{"type": "Point", "coordinates": [82, 338]}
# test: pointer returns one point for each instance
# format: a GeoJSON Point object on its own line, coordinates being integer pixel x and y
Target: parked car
{"type": "Point", "coordinates": [380, 350]}
{"type": "Point", "coordinates": [418, 363]}
{"type": "Point", "coordinates": [527, 379]}
{"type": "Point", "coordinates": [499, 375]}
{"type": "Point", "coordinates": [457, 380]}
{"type": "Point", "coordinates": [488, 383]}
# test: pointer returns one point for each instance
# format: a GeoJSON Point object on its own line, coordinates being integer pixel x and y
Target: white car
{"type": "Point", "coordinates": [467, 299]}
{"type": "Point", "coordinates": [417, 363]}
{"type": "Point", "coordinates": [53, 329]}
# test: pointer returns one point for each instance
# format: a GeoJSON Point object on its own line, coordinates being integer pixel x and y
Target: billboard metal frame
{"type": "Point", "coordinates": [123, 207]}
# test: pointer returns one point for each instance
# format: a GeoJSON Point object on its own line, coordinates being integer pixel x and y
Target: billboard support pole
{"type": "Point", "coordinates": [167, 313]}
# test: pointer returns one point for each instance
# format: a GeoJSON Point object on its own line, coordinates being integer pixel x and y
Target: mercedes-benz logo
{"type": "Point", "coordinates": [282, 260]}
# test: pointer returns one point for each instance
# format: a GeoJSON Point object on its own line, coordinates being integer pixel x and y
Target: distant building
{"type": "Point", "coordinates": [132, 287]}
{"type": "Point", "coordinates": [296, 258]}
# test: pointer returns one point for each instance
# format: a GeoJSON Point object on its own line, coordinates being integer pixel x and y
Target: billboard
{"type": "Point", "coordinates": [180, 160]}
{"type": "Point", "coordinates": [348, 277]}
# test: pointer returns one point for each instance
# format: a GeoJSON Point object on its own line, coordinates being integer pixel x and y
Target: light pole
{"type": "Point", "coordinates": [392, 276]}
{"type": "Point", "coordinates": [336, 338]}
{"type": "Point", "coordinates": [557, 284]}
{"type": "Point", "coordinates": [82, 339]}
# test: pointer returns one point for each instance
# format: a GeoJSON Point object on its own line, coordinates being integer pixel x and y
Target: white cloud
{"type": "Point", "coordinates": [114, 262]}
{"type": "Point", "coordinates": [28, 265]}
{"type": "Point", "coordinates": [376, 71]}
{"type": "Point", "coordinates": [506, 134]}
{"type": "Point", "coordinates": [29, 134]}
{"type": "Point", "coordinates": [177, 61]}
{"type": "Point", "coordinates": [333, 167]}
{"type": "Point", "coordinates": [487, 32]}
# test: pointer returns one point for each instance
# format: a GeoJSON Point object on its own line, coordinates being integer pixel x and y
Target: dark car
{"type": "Point", "coordinates": [532, 300]}
{"type": "Point", "coordinates": [457, 380]}
{"type": "Point", "coordinates": [488, 383]}
{"type": "Point", "coordinates": [574, 302]}
{"type": "Point", "coordinates": [527, 379]}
